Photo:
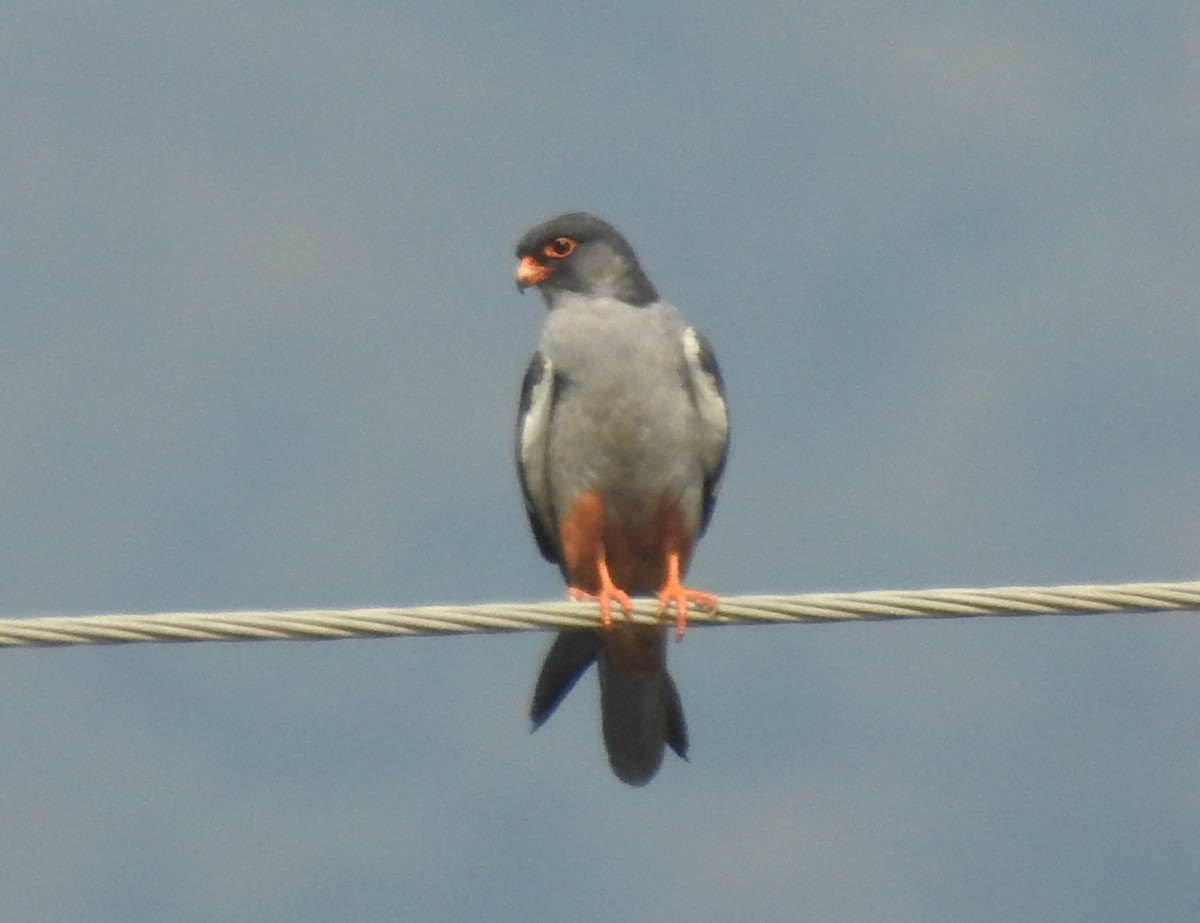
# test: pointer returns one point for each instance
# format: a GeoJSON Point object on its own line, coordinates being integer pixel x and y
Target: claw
{"type": "Point", "coordinates": [609, 591]}
{"type": "Point", "coordinates": [674, 592]}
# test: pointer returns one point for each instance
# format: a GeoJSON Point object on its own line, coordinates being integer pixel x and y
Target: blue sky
{"type": "Point", "coordinates": [260, 348]}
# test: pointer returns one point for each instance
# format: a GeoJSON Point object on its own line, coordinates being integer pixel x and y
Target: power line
{"type": "Point", "coordinates": [332, 624]}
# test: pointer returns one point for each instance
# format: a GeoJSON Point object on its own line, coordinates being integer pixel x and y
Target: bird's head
{"type": "Point", "coordinates": [578, 252]}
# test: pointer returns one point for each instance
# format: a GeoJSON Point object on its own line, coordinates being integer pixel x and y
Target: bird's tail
{"type": "Point", "coordinates": [639, 705]}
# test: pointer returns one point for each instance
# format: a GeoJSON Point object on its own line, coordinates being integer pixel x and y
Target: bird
{"type": "Point", "coordinates": [622, 438]}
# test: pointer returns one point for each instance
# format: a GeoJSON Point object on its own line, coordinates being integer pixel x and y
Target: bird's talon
{"type": "Point", "coordinates": [681, 598]}
{"type": "Point", "coordinates": [605, 599]}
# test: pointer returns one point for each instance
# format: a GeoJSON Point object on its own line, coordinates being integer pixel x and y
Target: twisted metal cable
{"type": "Point", "coordinates": [331, 624]}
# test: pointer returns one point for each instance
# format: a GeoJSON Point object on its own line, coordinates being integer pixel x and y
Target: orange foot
{"type": "Point", "coordinates": [673, 591]}
{"type": "Point", "coordinates": [608, 592]}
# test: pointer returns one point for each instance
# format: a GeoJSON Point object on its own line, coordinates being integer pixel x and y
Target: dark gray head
{"type": "Point", "coordinates": [578, 252]}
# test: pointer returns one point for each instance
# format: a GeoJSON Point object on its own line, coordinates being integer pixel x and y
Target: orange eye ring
{"type": "Point", "coordinates": [560, 248]}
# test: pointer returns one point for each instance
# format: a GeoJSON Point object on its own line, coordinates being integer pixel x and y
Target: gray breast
{"type": "Point", "coordinates": [625, 423]}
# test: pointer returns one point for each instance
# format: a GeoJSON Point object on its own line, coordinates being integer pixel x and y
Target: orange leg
{"type": "Point", "coordinates": [673, 591]}
{"type": "Point", "coordinates": [607, 593]}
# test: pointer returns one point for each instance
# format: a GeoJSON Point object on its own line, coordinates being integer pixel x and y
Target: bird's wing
{"type": "Point", "coordinates": [533, 432]}
{"type": "Point", "coordinates": [708, 397]}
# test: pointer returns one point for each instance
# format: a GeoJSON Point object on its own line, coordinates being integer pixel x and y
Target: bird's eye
{"type": "Point", "coordinates": [559, 247]}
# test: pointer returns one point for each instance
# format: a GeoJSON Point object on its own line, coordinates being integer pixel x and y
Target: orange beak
{"type": "Point", "coordinates": [530, 272]}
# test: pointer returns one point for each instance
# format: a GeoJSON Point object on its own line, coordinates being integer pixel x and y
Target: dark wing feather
{"type": "Point", "coordinates": [533, 428]}
{"type": "Point", "coordinates": [569, 657]}
{"type": "Point", "coordinates": [708, 395]}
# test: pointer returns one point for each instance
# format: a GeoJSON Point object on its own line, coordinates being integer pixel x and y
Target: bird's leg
{"type": "Point", "coordinates": [673, 591]}
{"type": "Point", "coordinates": [607, 593]}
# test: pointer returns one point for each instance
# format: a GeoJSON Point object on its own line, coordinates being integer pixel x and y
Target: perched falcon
{"type": "Point", "coordinates": [621, 440]}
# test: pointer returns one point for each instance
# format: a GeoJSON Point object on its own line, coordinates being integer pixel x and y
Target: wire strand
{"type": "Point", "coordinates": [333, 624]}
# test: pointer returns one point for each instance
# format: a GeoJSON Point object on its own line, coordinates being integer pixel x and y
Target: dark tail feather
{"type": "Point", "coordinates": [639, 705]}
{"type": "Point", "coordinates": [567, 660]}
{"type": "Point", "coordinates": [639, 708]}
{"type": "Point", "coordinates": [676, 724]}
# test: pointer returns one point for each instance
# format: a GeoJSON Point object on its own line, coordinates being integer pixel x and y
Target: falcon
{"type": "Point", "coordinates": [622, 436]}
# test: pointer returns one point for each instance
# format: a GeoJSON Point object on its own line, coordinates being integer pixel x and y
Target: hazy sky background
{"type": "Point", "coordinates": [260, 347]}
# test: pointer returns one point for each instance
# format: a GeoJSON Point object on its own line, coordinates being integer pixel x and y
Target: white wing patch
{"type": "Point", "coordinates": [714, 417]}
{"type": "Point", "coordinates": [534, 432]}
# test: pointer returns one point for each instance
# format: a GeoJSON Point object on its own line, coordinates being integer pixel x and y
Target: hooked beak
{"type": "Point", "coordinates": [530, 272]}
